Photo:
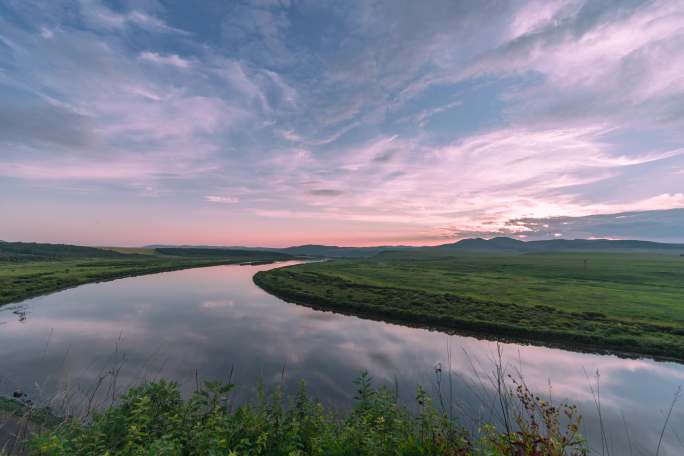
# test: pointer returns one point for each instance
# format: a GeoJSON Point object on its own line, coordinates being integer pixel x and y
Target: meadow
{"type": "Point", "coordinates": [625, 302]}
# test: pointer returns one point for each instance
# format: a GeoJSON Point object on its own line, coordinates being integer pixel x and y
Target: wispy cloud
{"type": "Point", "coordinates": [98, 14]}
{"type": "Point", "coordinates": [222, 199]}
{"type": "Point", "coordinates": [662, 225]}
{"type": "Point", "coordinates": [171, 59]}
{"type": "Point", "coordinates": [422, 123]}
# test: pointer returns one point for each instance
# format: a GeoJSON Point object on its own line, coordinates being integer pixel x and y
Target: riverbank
{"type": "Point", "coordinates": [20, 280]}
{"type": "Point", "coordinates": [627, 304]}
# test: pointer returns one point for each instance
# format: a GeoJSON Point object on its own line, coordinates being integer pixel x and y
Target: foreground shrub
{"type": "Point", "coordinates": [153, 419]}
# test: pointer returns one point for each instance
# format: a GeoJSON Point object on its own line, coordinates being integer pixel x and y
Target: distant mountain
{"type": "Point", "coordinates": [311, 250]}
{"type": "Point", "coordinates": [494, 244]}
{"type": "Point", "coordinates": [497, 244]}
{"type": "Point", "coordinates": [331, 251]}
{"type": "Point", "coordinates": [560, 245]}
{"type": "Point", "coordinates": [604, 244]}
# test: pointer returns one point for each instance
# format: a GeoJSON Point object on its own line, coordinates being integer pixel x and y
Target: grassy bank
{"type": "Point", "coordinates": [28, 271]}
{"type": "Point", "coordinates": [154, 419]}
{"type": "Point", "coordinates": [631, 303]}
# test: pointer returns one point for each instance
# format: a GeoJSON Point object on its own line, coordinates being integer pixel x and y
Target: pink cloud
{"type": "Point", "coordinates": [479, 183]}
{"type": "Point", "coordinates": [537, 14]}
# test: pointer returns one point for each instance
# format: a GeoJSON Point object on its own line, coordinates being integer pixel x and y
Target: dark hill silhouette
{"type": "Point", "coordinates": [493, 245]}
{"type": "Point", "coordinates": [222, 253]}
{"type": "Point", "coordinates": [561, 245]}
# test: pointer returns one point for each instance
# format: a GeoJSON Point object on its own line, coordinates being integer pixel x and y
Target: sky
{"type": "Point", "coordinates": [284, 122]}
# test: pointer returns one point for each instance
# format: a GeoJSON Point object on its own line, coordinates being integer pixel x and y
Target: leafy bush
{"type": "Point", "coordinates": [539, 429]}
{"type": "Point", "coordinates": [154, 419]}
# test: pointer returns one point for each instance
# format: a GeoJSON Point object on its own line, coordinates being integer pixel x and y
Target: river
{"type": "Point", "coordinates": [96, 340]}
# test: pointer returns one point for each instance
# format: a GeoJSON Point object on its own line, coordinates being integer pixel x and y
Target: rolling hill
{"type": "Point", "coordinates": [493, 245]}
{"type": "Point", "coordinates": [561, 245]}
{"type": "Point", "coordinates": [26, 251]}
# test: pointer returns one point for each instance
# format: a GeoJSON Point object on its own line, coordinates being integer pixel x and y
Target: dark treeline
{"type": "Point", "coordinates": [26, 251]}
{"type": "Point", "coordinates": [223, 253]}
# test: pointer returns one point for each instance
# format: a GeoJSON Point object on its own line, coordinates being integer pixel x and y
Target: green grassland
{"type": "Point", "coordinates": [29, 270]}
{"type": "Point", "coordinates": [624, 302]}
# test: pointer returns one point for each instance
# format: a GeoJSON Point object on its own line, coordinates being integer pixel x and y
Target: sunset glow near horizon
{"type": "Point", "coordinates": [275, 123]}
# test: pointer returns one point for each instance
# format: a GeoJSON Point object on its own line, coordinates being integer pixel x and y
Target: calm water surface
{"type": "Point", "coordinates": [206, 322]}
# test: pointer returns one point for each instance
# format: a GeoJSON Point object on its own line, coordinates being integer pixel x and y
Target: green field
{"type": "Point", "coordinates": [29, 270]}
{"type": "Point", "coordinates": [625, 302]}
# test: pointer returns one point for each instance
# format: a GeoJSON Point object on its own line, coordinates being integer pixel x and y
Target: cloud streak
{"type": "Point", "coordinates": [222, 199]}
{"type": "Point", "coordinates": [172, 59]}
